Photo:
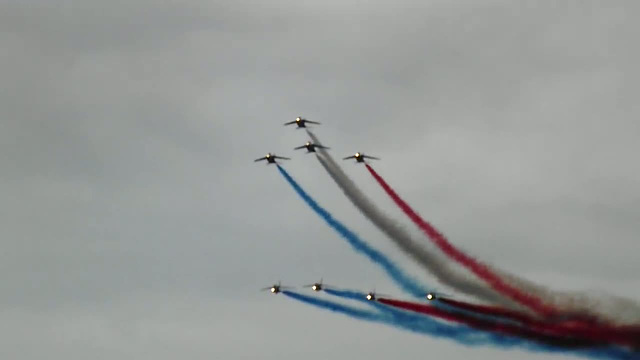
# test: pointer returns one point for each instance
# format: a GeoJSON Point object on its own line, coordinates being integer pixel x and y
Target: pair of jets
{"type": "Point", "coordinates": [311, 147]}
{"type": "Point", "coordinates": [276, 288]}
{"type": "Point", "coordinates": [430, 296]}
{"type": "Point", "coordinates": [318, 286]}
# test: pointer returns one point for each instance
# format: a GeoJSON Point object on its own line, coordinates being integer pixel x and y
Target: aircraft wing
{"type": "Point", "coordinates": [281, 157]}
{"type": "Point", "coordinates": [370, 157]}
{"type": "Point", "coordinates": [290, 122]}
{"type": "Point", "coordinates": [313, 122]}
{"type": "Point", "coordinates": [350, 157]}
{"type": "Point", "coordinates": [262, 158]}
{"type": "Point", "coordinates": [322, 146]}
{"type": "Point", "coordinates": [300, 147]}
{"type": "Point", "coordinates": [267, 288]}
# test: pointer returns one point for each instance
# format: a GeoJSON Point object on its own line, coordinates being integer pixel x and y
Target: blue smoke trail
{"type": "Point", "coordinates": [358, 296]}
{"type": "Point", "coordinates": [336, 307]}
{"type": "Point", "coordinates": [461, 334]}
{"type": "Point", "coordinates": [407, 283]}
{"type": "Point", "coordinates": [347, 294]}
{"type": "Point", "coordinates": [355, 295]}
{"type": "Point", "coordinates": [426, 323]}
{"type": "Point", "coordinates": [423, 323]}
{"type": "Point", "coordinates": [419, 323]}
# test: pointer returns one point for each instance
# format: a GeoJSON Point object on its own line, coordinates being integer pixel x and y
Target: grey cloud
{"type": "Point", "coordinates": [129, 128]}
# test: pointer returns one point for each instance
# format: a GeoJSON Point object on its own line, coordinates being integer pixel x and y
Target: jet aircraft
{"type": "Point", "coordinates": [311, 147]}
{"type": "Point", "coordinates": [360, 157]}
{"type": "Point", "coordinates": [435, 295]}
{"type": "Point", "coordinates": [271, 158]}
{"type": "Point", "coordinates": [301, 122]}
{"type": "Point", "coordinates": [371, 295]}
{"type": "Point", "coordinates": [315, 286]}
{"type": "Point", "coordinates": [276, 288]}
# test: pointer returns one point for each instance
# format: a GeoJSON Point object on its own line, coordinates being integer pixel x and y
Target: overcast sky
{"type": "Point", "coordinates": [136, 225]}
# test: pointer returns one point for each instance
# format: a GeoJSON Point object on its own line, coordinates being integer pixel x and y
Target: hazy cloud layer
{"type": "Point", "coordinates": [136, 225]}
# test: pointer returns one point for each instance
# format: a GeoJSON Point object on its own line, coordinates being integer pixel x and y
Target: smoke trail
{"type": "Point", "coordinates": [423, 325]}
{"type": "Point", "coordinates": [534, 343]}
{"type": "Point", "coordinates": [534, 332]}
{"type": "Point", "coordinates": [407, 283]}
{"type": "Point", "coordinates": [597, 332]}
{"type": "Point", "coordinates": [347, 294]}
{"type": "Point", "coordinates": [460, 307]}
{"type": "Point", "coordinates": [486, 323]}
{"type": "Point", "coordinates": [336, 307]}
{"type": "Point", "coordinates": [628, 335]}
{"type": "Point", "coordinates": [470, 336]}
{"type": "Point", "coordinates": [575, 302]}
{"type": "Point", "coordinates": [431, 261]}
{"type": "Point", "coordinates": [554, 333]}
{"type": "Point", "coordinates": [496, 312]}
{"type": "Point", "coordinates": [481, 270]}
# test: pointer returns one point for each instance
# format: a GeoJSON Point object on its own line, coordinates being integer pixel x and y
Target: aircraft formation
{"type": "Point", "coordinates": [507, 312]}
{"type": "Point", "coordinates": [310, 146]}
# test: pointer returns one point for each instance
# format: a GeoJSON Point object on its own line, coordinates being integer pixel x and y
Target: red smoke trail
{"type": "Point", "coordinates": [494, 311]}
{"type": "Point", "coordinates": [487, 325]}
{"type": "Point", "coordinates": [481, 270]}
{"type": "Point", "coordinates": [562, 333]}
{"type": "Point", "coordinates": [586, 327]}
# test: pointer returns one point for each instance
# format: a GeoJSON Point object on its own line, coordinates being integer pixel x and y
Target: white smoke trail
{"type": "Point", "coordinates": [599, 304]}
{"type": "Point", "coordinates": [433, 262]}
{"type": "Point", "coordinates": [612, 308]}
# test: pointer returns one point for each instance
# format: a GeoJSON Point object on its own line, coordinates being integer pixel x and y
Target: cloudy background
{"type": "Point", "coordinates": [136, 225]}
